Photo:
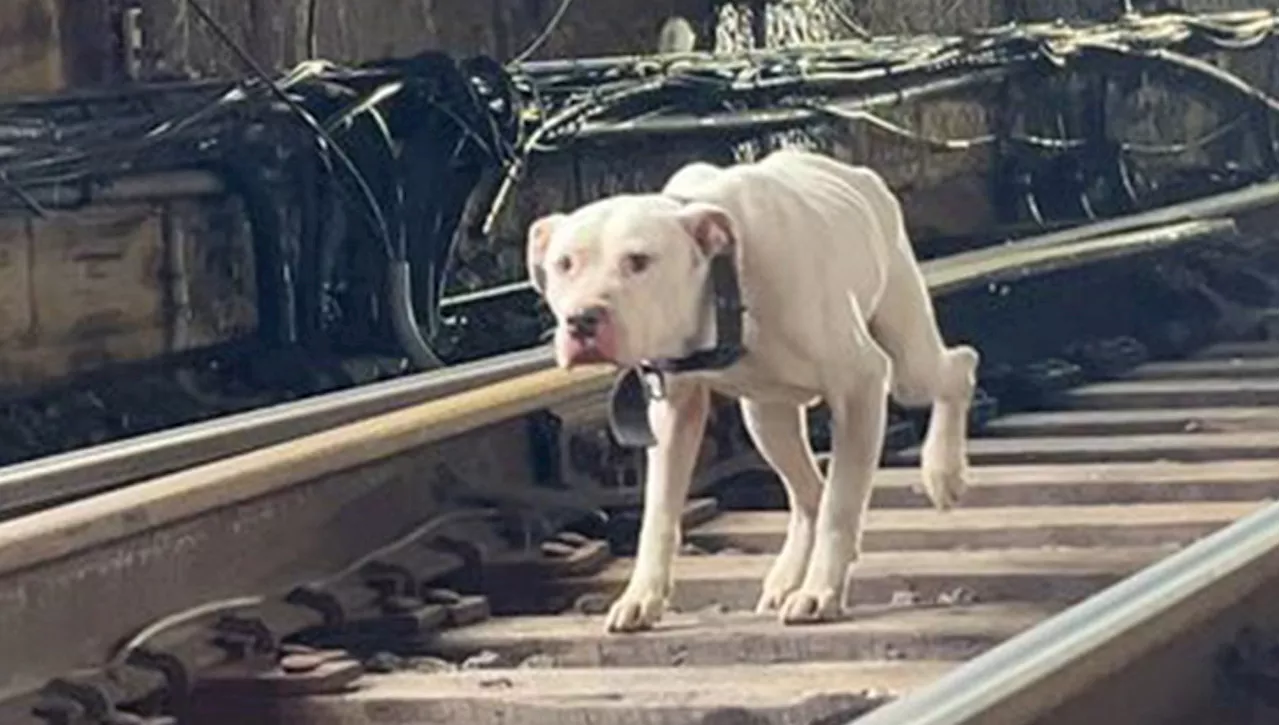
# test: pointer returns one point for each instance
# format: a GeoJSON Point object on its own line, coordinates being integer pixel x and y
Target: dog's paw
{"type": "Point", "coordinates": [810, 605]}
{"type": "Point", "coordinates": [635, 610]}
{"type": "Point", "coordinates": [945, 478]}
{"type": "Point", "coordinates": [784, 577]}
{"type": "Point", "coordinates": [773, 597]}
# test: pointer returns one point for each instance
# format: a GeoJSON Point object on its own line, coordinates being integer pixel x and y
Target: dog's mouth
{"type": "Point", "coordinates": [573, 350]}
{"type": "Point", "coordinates": [586, 354]}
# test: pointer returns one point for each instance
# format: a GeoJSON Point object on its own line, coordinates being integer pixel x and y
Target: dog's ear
{"type": "Point", "coordinates": [709, 225]}
{"type": "Point", "coordinates": [535, 252]}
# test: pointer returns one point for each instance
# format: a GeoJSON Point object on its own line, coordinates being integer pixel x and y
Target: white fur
{"type": "Point", "coordinates": [836, 310]}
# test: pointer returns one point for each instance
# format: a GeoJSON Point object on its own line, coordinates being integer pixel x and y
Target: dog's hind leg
{"type": "Point", "coordinates": [925, 372]}
{"type": "Point", "coordinates": [779, 433]}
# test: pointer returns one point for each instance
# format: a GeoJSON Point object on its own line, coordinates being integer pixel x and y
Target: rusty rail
{"type": "Point", "coordinates": [36, 484]}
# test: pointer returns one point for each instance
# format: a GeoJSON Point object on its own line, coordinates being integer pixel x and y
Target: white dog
{"type": "Point", "coordinates": [835, 309]}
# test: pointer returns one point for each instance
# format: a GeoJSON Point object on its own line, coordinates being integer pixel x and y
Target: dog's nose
{"type": "Point", "coordinates": [584, 323]}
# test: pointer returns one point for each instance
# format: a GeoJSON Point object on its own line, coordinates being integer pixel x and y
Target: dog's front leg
{"type": "Point", "coordinates": [679, 421]}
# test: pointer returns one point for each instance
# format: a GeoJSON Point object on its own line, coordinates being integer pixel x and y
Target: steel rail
{"type": "Point", "coordinates": [216, 518]}
{"type": "Point", "coordinates": [43, 481]}
{"type": "Point", "coordinates": [1034, 672]}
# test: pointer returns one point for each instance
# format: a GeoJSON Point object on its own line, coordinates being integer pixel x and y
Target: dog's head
{"type": "Point", "coordinates": [626, 276]}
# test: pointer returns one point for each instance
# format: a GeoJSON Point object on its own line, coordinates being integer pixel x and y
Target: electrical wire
{"type": "Point", "coordinates": [221, 606]}
{"type": "Point", "coordinates": [575, 93]}
{"type": "Point", "coordinates": [398, 285]}
{"type": "Point", "coordinates": [542, 37]}
{"type": "Point", "coordinates": [374, 208]}
{"type": "Point", "coordinates": [1059, 144]}
{"type": "Point", "coordinates": [836, 62]}
{"type": "Point", "coordinates": [310, 31]}
{"type": "Point", "coordinates": [833, 7]}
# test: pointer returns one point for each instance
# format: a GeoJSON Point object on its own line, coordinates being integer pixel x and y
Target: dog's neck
{"type": "Point", "coordinates": [718, 343]}
{"type": "Point", "coordinates": [721, 323]}
{"type": "Point", "coordinates": [707, 333]}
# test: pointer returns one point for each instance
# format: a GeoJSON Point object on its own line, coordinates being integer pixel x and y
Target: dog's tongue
{"type": "Point", "coordinates": [571, 351]}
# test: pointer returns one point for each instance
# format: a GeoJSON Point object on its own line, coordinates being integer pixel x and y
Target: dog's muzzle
{"type": "Point", "coordinates": [586, 337]}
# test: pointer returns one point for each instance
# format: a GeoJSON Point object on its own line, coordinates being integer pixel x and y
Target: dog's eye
{"type": "Point", "coordinates": [564, 264]}
{"type": "Point", "coordinates": [637, 262]}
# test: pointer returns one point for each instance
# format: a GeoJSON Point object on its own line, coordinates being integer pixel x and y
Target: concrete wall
{"type": "Point", "coordinates": [120, 283]}
{"type": "Point", "coordinates": [274, 31]}
{"type": "Point", "coordinates": [82, 290]}
{"type": "Point", "coordinates": [30, 46]}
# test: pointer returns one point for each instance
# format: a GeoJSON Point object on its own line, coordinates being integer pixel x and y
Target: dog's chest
{"type": "Point", "coordinates": [750, 378]}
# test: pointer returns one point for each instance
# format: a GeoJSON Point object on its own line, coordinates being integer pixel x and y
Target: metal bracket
{"type": "Point", "coordinates": [567, 554]}
{"type": "Point", "coordinates": [243, 637]}
{"type": "Point", "coordinates": [300, 671]}
{"type": "Point", "coordinates": [403, 605]}
{"type": "Point", "coordinates": [66, 701]}
{"type": "Point", "coordinates": [462, 609]}
{"type": "Point", "coordinates": [401, 617]}
{"type": "Point", "coordinates": [468, 576]}
{"type": "Point", "coordinates": [177, 679]}
{"type": "Point", "coordinates": [314, 597]}
{"type": "Point", "coordinates": [389, 580]}
{"type": "Point", "coordinates": [510, 577]}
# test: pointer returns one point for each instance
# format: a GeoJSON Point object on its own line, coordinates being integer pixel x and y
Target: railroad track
{"type": "Point", "coordinates": [1066, 502]}
{"type": "Point", "coordinates": [265, 586]}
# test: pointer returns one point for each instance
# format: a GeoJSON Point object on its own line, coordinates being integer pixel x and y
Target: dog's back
{"type": "Point", "coordinates": [807, 214]}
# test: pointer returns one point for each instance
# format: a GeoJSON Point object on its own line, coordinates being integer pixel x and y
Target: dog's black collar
{"type": "Point", "coordinates": [635, 387]}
